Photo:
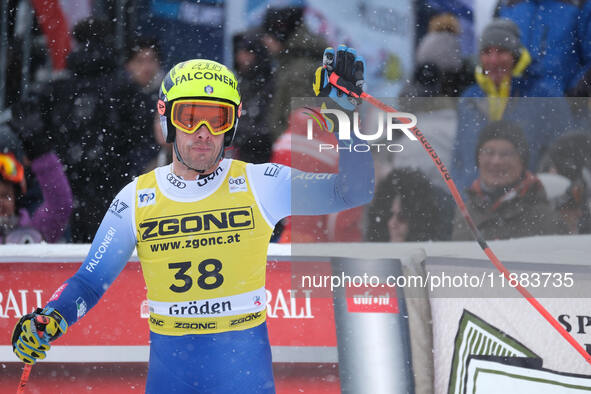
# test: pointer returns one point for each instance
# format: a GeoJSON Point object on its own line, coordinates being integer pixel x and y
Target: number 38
{"type": "Point", "coordinates": [208, 269]}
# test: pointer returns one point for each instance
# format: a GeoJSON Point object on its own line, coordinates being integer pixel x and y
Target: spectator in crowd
{"type": "Point", "coordinates": [253, 68]}
{"type": "Point", "coordinates": [143, 65]}
{"type": "Point", "coordinates": [441, 74]}
{"type": "Point", "coordinates": [48, 220]}
{"type": "Point", "coordinates": [556, 33]}
{"type": "Point", "coordinates": [137, 86]}
{"type": "Point", "coordinates": [407, 208]}
{"type": "Point", "coordinates": [507, 200]}
{"type": "Point", "coordinates": [570, 157]}
{"type": "Point", "coordinates": [501, 78]}
{"type": "Point", "coordinates": [440, 67]}
{"type": "Point", "coordinates": [294, 149]}
{"type": "Point", "coordinates": [294, 50]}
{"type": "Point", "coordinates": [94, 124]}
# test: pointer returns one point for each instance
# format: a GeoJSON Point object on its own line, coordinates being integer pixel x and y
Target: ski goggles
{"type": "Point", "coordinates": [10, 169]}
{"type": "Point", "coordinates": [190, 114]}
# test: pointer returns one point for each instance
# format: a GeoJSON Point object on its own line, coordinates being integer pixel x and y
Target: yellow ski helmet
{"type": "Point", "coordinates": [198, 78]}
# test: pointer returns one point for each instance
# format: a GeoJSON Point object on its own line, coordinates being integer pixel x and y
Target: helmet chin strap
{"type": "Point", "coordinates": [200, 172]}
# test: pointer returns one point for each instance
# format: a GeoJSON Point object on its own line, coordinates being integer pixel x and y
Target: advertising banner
{"type": "Point", "coordinates": [295, 319]}
{"type": "Point", "coordinates": [476, 312]}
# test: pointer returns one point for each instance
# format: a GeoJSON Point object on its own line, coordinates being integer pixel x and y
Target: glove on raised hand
{"type": "Point", "coordinates": [350, 68]}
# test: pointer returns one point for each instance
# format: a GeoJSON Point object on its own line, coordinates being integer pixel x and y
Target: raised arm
{"type": "Point", "coordinates": [285, 191]}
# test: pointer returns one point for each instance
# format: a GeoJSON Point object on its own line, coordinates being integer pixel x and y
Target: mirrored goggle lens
{"type": "Point", "coordinates": [190, 115]}
{"type": "Point", "coordinates": [10, 169]}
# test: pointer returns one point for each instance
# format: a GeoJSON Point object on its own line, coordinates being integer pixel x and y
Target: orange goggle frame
{"type": "Point", "coordinates": [190, 114]}
{"type": "Point", "coordinates": [10, 169]}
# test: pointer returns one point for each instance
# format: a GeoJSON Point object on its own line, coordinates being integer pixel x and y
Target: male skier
{"type": "Point", "coordinates": [201, 226]}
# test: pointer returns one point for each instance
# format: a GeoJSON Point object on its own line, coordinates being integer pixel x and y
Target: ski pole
{"type": "Point", "coordinates": [334, 80]}
{"type": "Point", "coordinates": [24, 379]}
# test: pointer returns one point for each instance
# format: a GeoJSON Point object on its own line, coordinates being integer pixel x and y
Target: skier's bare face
{"type": "Point", "coordinates": [199, 150]}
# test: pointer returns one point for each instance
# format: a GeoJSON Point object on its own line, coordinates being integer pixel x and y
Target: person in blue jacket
{"type": "Point", "coordinates": [506, 90]}
{"type": "Point", "coordinates": [557, 34]}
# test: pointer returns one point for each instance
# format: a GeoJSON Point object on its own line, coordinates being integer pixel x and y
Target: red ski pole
{"type": "Point", "coordinates": [24, 379]}
{"type": "Point", "coordinates": [334, 80]}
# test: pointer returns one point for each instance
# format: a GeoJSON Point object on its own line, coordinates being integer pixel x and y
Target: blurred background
{"type": "Point", "coordinates": [79, 80]}
{"type": "Point", "coordinates": [385, 32]}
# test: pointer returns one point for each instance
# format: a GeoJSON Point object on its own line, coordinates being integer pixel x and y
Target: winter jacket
{"type": "Point", "coordinates": [532, 103]}
{"type": "Point", "coordinates": [253, 138]}
{"type": "Point", "coordinates": [50, 219]}
{"type": "Point", "coordinates": [521, 212]}
{"type": "Point", "coordinates": [96, 120]}
{"type": "Point", "coordinates": [137, 109]}
{"type": "Point", "coordinates": [557, 34]}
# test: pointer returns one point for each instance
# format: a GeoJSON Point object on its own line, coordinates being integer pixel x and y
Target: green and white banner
{"type": "Point", "coordinates": [491, 377]}
{"type": "Point", "coordinates": [477, 337]}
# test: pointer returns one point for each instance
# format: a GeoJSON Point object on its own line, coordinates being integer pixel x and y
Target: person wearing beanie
{"type": "Point", "coordinates": [504, 34]}
{"type": "Point", "coordinates": [506, 90]}
{"type": "Point", "coordinates": [506, 200]}
{"type": "Point", "coordinates": [504, 130]}
{"type": "Point", "coordinates": [440, 68]}
{"type": "Point", "coordinates": [501, 58]}
{"type": "Point", "coordinates": [441, 48]}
